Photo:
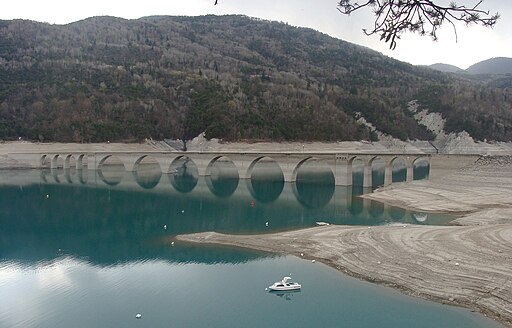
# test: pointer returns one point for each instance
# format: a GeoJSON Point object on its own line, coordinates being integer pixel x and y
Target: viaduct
{"type": "Point", "coordinates": [340, 164]}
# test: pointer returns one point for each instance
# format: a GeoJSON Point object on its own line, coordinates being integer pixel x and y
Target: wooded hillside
{"type": "Point", "coordinates": [234, 77]}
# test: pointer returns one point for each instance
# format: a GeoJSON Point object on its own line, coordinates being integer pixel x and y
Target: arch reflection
{"type": "Point", "coordinates": [83, 176]}
{"type": "Point", "coordinates": [183, 174]}
{"type": "Point", "coordinates": [267, 180]}
{"type": "Point", "coordinates": [111, 170]}
{"type": "Point", "coordinates": [357, 206]}
{"type": "Point", "coordinates": [148, 173]}
{"type": "Point", "coordinates": [315, 184]}
{"type": "Point", "coordinates": [397, 213]}
{"type": "Point", "coordinates": [376, 209]}
{"type": "Point", "coordinates": [147, 179]}
{"type": "Point", "coordinates": [68, 175]}
{"type": "Point", "coordinates": [55, 175]}
{"type": "Point", "coordinates": [222, 177]}
{"type": "Point", "coordinates": [111, 178]}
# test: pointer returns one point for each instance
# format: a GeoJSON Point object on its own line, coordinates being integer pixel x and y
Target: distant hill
{"type": "Point", "coordinates": [234, 77]}
{"type": "Point", "coordinates": [498, 65]}
{"type": "Point", "coordinates": [447, 68]}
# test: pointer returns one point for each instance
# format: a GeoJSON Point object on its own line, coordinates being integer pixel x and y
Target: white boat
{"type": "Point", "coordinates": [285, 285]}
{"type": "Point", "coordinates": [321, 223]}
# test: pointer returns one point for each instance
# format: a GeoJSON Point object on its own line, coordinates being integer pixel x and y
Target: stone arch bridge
{"type": "Point", "coordinates": [340, 164]}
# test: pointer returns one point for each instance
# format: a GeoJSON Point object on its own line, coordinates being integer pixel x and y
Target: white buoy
{"type": "Point", "coordinates": [172, 243]}
{"type": "Point", "coordinates": [301, 254]}
{"type": "Point", "coordinates": [138, 316]}
{"type": "Point", "coordinates": [47, 196]}
{"type": "Point", "coordinates": [266, 224]}
{"type": "Point", "coordinates": [182, 211]}
{"type": "Point", "coordinates": [165, 226]}
{"type": "Point", "coordinates": [313, 261]}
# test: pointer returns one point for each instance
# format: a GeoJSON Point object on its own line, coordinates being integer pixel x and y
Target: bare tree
{"type": "Point", "coordinates": [393, 17]}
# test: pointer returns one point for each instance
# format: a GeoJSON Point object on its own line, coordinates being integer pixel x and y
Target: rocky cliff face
{"type": "Point", "coordinates": [454, 143]}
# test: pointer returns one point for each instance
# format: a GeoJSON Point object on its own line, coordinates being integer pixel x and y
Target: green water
{"type": "Point", "coordinates": [83, 249]}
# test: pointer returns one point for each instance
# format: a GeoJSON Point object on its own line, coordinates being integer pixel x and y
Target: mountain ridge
{"type": "Point", "coordinates": [233, 77]}
{"type": "Point", "coordinates": [495, 65]}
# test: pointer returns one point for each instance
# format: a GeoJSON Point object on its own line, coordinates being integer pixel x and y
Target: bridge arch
{"type": "Point", "coordinates": [223, 178]}
{"type": "Point", "coordinates": [308, 160]}
{"type": "Point", "coordinates": [376, 171]}
{"type": "Point", "coordinates": [138, 161]}
{"type": "Point", "coordinates": [146, 171]}
{"type": "Point", "coordinates": [80, 161]}
{"type": "Point", "coordinates": [415, 165]}
{"type": "Point", "coordinates": [299, 165]}
{"type": "Point", "coordinates": [183, 174]}
{"type": "Point", "coordinates": [69, 160]}
{"type": "Point", "coordinates": [106, 158]}
{"type": "Point", "coordinates": [211, 168]}
{"type": "Point", "coordinates": [391, 175]}
{"type": "Point", "coordinates": [45, 161]}
{"type": "Point", "coordinates": [314, 182]}
{"type": "Point", "coordinates": [265, 186]}
{"type": "Point", "coordinates": [56, 161]}
{"type": "Point", "coordinates": [261, 159]}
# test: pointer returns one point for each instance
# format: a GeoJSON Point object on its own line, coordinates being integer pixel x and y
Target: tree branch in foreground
{"type": "Point", "coordinates": [393, 17]}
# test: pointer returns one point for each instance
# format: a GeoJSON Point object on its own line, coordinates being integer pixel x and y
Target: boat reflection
{"type": "Point", "coordinates": [285, 295]}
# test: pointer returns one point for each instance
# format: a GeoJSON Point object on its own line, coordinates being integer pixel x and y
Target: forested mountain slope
{"type": "Point", "coordinates": [234, 77]}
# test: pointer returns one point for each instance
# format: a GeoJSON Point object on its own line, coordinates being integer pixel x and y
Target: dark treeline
{"type": "Point", "coordinates": [234, 77]}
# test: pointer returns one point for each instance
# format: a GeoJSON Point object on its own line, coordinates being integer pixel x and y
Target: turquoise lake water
{"type": "Point", "coordinates": [85, 249]}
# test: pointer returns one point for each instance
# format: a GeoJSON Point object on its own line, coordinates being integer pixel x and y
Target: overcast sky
{"type": "Point", "coordinates": [474, 43]}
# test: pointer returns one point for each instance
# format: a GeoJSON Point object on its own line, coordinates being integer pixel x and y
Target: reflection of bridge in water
{"type": "Point", "coordinates": [335, 205]}
{"type": "Point", "coordinates": [340, 166]}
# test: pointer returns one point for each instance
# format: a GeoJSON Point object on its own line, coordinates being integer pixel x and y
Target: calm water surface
{"type": "Point", "coordinates": [85, 249]}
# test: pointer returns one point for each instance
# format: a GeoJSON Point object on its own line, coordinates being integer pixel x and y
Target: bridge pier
{"type": "Point", "coordinates": [342, 169]}
{"type": "Point", "coordinates": [410, 172]}
{"type": "Point", "coordinates": [367, 178]}
{"type": "Point", "coordinates": [388, 173]}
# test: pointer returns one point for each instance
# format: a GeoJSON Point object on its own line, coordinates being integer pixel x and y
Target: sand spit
{"type": "Point", "coordinates": [469, 266]}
